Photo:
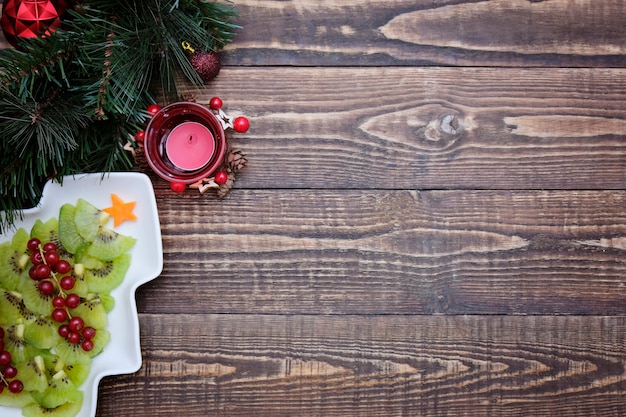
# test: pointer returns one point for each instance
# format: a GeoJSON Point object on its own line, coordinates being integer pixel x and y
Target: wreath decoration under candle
{"type": "Point", "coordinates": [77, 84]}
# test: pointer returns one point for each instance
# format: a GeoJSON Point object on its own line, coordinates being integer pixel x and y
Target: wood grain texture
{"type": "Point", "coordinates": [392, 252]}
{"type": "Point", "coordinates": [244, 365]}
{"type": "Point", "coordinates": [428, 128]}
{"type": "Point", "coordinates": [551, 33]}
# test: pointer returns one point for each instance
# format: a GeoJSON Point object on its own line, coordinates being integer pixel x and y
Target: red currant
{"type": "Point", "coordinates": [89, 332]}
{"type": "Point", "coordinates": [58, 302]}
{"type": "Point", "coordinates": [241, 124]}
{"type": "Point", "coordinates": [42, 271]}
{"type": "Point", "coordinates": [64, 330]}
{"type": "Point", "coordinates": [72, 301]}
{"type": "Point", "coordinates": [36, 258]}
{"type": "Point", "coordinates": [153, 109]}
{"type": "Point", "coordinates": [216, 103]}
{"type": "Point", "coordinates": [76, 324]}
{"type": "Point", "coordinates": [67, 282]}
{"type": "Point", "coordinates": [10, 372]}
{"type": "Point", "coordinates": [62, 267]}
{"type": "Point", "coordinates": [49, 247]}
{"type": "Point", "coordinates": [5, 358]}
{"type": "Point", "coordinates": [221, 177]}
{"type": "Point", "coordinates": [73, 338]}
{"type": "Point", "coordinates": [178, 187]}
{"type": "Point", "coordinates": [16, 386]}
{"type": "Point", "coordinates": [46, 287]}
{"type": "Point", "coordinates": [33, 244]}
{"type": "Point", "coordinates": [51, 257]}
{"type": "Point", "coordinates": [59, 315]}
{"type": "Point", "coordinates": [87, 345]}
{"type": "Point", "coordinates": [32, 272]}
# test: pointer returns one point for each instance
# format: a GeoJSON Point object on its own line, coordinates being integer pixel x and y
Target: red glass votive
{"type": "Point", "coordinates": [197, 142]}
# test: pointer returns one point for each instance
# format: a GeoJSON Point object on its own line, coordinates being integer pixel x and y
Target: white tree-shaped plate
{"type": "Point", "coordinates": [123, 353]}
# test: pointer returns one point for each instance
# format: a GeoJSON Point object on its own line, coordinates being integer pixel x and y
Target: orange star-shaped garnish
{"type": "Point", "coordinates": [120, 210]}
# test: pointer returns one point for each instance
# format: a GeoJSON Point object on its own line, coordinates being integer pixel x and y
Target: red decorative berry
{"type": "Point", "coordinates": [42, 271]}
{"type": "Point", "coordinates": [139, 136]}
{"type": "Point", "coordinates": [32, 272]}
{"type": "Point", "coordinates": [153, 109]}
{"type": "Point", "coordinates": [72, 300]}
{"type": "Point", "coordinates": [62, 267]}
{"type": "Point", "coordinates": [216, 103]}
{"type": "Point", "coordinates": [221, 177]}
{"type": "Point", "coordinates": [58, 302]}
{"type": "Point", "coordinates": [178, 187]}
{"type": "Point", "coordinates": [73, 338]}
{"type": "Point", "coordinates": [51, 258]}
{"type": "Point", "coordinates": [59, 315]}
{"type": "Point", "coordinates": [36, 258]}
{"type": "Point", "coordinates": [241, 124]}
{"type": "Point", "coordinates": [33, 244]}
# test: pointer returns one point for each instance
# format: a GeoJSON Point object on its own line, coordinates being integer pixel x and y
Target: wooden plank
{"type": "Point", "coordinates": [584, 33]}
{"type": "Point", "coordinates": [428, 128]}
{"type": "Point", "coordinates": [392, 252]}
{"type": "Point", "coordinates": [240, 365]}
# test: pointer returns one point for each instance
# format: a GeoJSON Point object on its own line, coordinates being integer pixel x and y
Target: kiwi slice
{"type": "Point", "coordinates": [71, 240]}
{"type": "Point", "coordinates": [77, 372]}
{"type": "Point", "coordinates": [68, 409]}
{"type": "Point", "coordinates": [60, 390]}
{"type": "Point", "coordinates": [32, 373]}
{"type": "Point", "coordinates": [107, 275]}
{"type": "Point", "coordinates": [14, 260]}
{"type": "Point", "coordinates": [17, 346]}
{"type": "Point", "coordinates": [46, 231]}
{"type": "Point", "coordinates": [88, 219]}
{"type": "Point", "coordinates": [9, 399]}
{"type": "Point", "coordinates": [34, 300]}
{"type": "Point", "coordinates": [42, 333]}
{"type": "Point", "coordinates": [92, 311]}
{"type": "Point", "coordinates": [12, 308]}
{"type": "Point", "coordinates": [108, 244]}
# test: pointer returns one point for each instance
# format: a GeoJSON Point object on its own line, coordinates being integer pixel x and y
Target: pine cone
{"type": "Point", "coordinates": [237, 160]}
{"type": "Point", "coordinates": [224, 189]}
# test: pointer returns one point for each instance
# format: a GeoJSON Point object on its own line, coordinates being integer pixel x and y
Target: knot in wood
{"type": "Point", "coordinates": [449, 124]}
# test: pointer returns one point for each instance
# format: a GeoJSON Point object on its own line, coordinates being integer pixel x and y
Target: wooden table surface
{"type": "Point", "coordinates": [432, 222]}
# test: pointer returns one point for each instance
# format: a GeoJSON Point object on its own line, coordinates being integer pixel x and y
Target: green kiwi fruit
{"type": "Point", "coordinates": [60, 390]}
{"type": "Point", "coordinates": [71, 240]}
{"type": "Point", "coordinates": [68, 409]}
{"type": "Point", "coordinates": [17, 346]}
{"type": "Point", "coordinates": [14, 259]}
{"type": "Point", "coordinates": [42, 333]}
{"type": "Point", "coordinates": [88, 219]}
{"type": "Point", "coordinates": [108, 244]}
{"type": "Point", "coordinates": [108, 275]}
{"type": "Point", "coordinates": [12, 308]}
{"type": "Point", "coordinates": [46, 231]}
{"type": "Point", "coordinates": [92, 310]}
{"type": "Point", "coordinates": [32, 373]}
{"type": "Point", "coordinates": [34, 300]}
{"type": "Point", "coordinates": [77, 372]}
{"type": "Point", "coordinates": [9, 399]}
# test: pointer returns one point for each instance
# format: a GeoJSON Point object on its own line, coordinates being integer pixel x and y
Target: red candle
{"type": "Point", "coordinates": [190, 146]}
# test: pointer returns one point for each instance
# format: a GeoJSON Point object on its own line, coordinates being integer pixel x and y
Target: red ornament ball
{"type": "Point", "coordinates": [206, 64]}
{"type": "Point", "coordinates": [24, 19]}
{"type": "Point", "coordinates": [153, 109]}
{"type": "Point", "coordinates": [241, 124]}
{"type": "Point", "coordinates": [178, 187]}
{"type": "Point", "coordinates": [216, 103]}
{"type": "Point", "coordinates": [221, 177]}
{"type": "Point", "coordinates": [139, 136]}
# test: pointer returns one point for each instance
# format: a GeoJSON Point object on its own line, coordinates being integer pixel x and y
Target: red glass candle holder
{"type": "Point", "coordinates": [169, 119]}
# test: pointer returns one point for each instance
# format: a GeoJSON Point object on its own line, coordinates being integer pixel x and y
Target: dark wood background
{"type": "Point", "coordinates": [432, 222]}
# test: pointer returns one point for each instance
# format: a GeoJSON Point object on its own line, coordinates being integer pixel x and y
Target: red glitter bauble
{"type": "Point", "coordinates": [206, 64]}
{"type": "Point", "coordinates": [30, 18]}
